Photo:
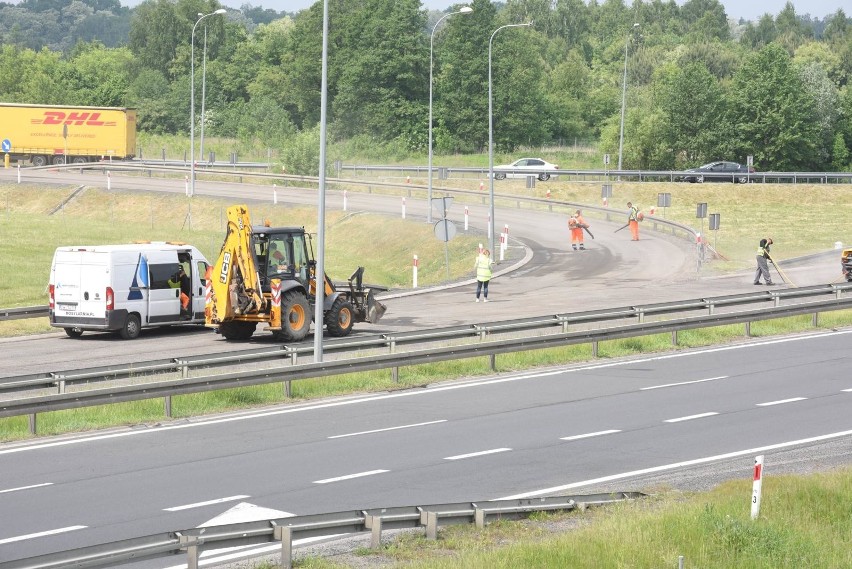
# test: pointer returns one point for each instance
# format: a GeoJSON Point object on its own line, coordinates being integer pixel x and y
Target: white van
{"type": "Point", "coordinates": [125, 288]}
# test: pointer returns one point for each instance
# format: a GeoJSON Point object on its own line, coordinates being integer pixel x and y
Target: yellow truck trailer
{"type": "Point", "coordinates": [56, 134]}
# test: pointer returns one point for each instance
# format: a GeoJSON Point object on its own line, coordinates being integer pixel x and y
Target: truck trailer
{"type": "Point", "coordinates": [56, 134]}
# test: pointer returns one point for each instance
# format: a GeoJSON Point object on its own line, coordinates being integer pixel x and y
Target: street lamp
{"type": "Point", "coordinates": [491, 137]}
{"type": "Point", "coordinates": [463, 10]}
{"type": "Point", "coordinates": [192, 100]}
{"type": "Point", "coordinates": [203, 91]}
{"type": "Point", "coordinates": [624, 96]}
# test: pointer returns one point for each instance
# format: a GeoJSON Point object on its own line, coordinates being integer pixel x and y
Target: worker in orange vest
{"type": "Point", "coordinates": [634, 216]}
{"type": "Point", "coordinates": [577, 224]}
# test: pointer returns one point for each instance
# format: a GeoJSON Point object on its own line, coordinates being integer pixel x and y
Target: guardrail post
{"type": "Point", "coordinates": [594, 349]}
{"type": "Point", "coordinates": [288, 389]}
{"type": "Point", "coordinates": [710, 309]}
{"type": "Point", "coordinates": [285, 536]}
{"type": "Point", "coordinates": [192, 545]}
{"type": "Point", "coordinates": [33, 424]}
{"type": "Point", "coordinates": [184, 368]}
{"type": "Point", "coordinates": [479, 516]}
{"type": "Point", "coordinates": [493, 359]}
{"type": "Point", "coordinates": [431, 524]}
{"type": "Point", "coordinates": [674, 337]}
{"type": "Point", "coordinates": [167, 404]}
{"type": "Point", "coordinates": [815, 319]}
{"type": "Point", "coordinates": [748, 329]}
{"type": "Point", "coordinates": [375, 525]}
{"type": "Point", "coordinates": [641, 315]}
{"type": "Point", "coordinates": [395, 374]}
{"type": "Point", "coordinates": [60, 383]}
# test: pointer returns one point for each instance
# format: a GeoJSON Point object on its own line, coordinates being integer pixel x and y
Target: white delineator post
{"type": "Point", "coordinates": [480, 248]}
{"type": "Point", "coordinates": [19, 173]}
{"type": "Point", "coordinates": [489, 227]}
{"type": "Point", "coordinates": [109, 181]}
{"type": "Point", "coordinates": [274, 194]}
{"type": "Point", "coordinates": [757, 487]}
{"type": "Point", "coordinates": [502, 245]}
{"type": "Point", "coordinates": [403, 207]}
{"type": "Point", "coordinates": [414, 270]}
{"type": "Point", "coordinates": [186, 185]}
{"type": "Point", "coordinates": [466, 218]}
{"type": "Point", "coordinates": [344, 200]}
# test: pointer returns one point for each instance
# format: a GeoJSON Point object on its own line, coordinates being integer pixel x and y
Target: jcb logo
{"type": "Point", "coordinates": [74, 119]}
{"type": "Point", "coordinates": [226, 266]}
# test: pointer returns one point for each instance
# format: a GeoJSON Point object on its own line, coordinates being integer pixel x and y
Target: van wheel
{"type": "Point", "coordinates": [73, 332]}
{"type": "Point", "coordinates": [295, 316]}
{"type": "Point", "coordinates": [237, 331]}
{"type": "Point", "coordinates": [339, 319]}
{"type": "Point", "coordinates": [131, 328]}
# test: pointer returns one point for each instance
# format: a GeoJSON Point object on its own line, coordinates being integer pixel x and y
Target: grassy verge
{"type": "Point", "coordinates": [805, 521]}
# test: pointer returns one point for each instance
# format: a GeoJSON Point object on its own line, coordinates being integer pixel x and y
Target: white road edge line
{"type": "Point", "coordinates": [207, 503]}
{"type": "Point", "coordinates": [40, 534]}
{"type": "Point", "coordinates": [473, 454]}
{"type": "Point", "coordinates": [781, 401]}
{"type": "Point", "coordinates": [683, 383]}
{"type": "Point", "coordinates": [691, 417]}
{"type": "Point", "coordinates": [350, 476]}
{"type": "Point", "coordinates": [675, 465]}
{"type": "Point", "coordinates": [587, 435]}
{"type": "Point", "coordinates": [387, 429]}
{"type": "Point", "coordinates": [312, 407]}
{"type": "Point", "coordinates": [847, 390]}
{"type": "Point", "coordinates": [26, 487]}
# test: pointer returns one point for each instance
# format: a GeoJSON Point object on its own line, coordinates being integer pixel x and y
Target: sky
{"type": "Point", "coordinates": [750, 10]}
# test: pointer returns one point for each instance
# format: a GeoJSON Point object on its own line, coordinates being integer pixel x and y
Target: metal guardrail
{"type": "Point", "coordinates": [285, 530]}
{"type": "Point", "coordinates": [428, 346]}
{"type": "Point", "coordinates": [23, 312]}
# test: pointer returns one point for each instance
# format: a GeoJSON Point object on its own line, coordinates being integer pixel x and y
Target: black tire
{"type": "Point", "coordinates": [544, 177]}
{"type": "Point", "coordinates": [73, 332]}
{"type": "Point", "coordinates": [499, 175]}
{"type": "Point", "coordinates": [340, 318]}
{"type": "Point", "coordinates": [131, 328]}
{"type": "Point", "coordinates": [237, 331]}
{"type": "Point", "coordinates": [58, 160]}
{"type": "Point", "coordinates": [742, 180]}
{"type": "Point", "coordinates": [699, 179]}
{"type": "Point", "coordinates": [39, 160]}
{"type": "Point", "coordinates": [79, 160]}
{"type": "Point", "coordinates": [295, 316]}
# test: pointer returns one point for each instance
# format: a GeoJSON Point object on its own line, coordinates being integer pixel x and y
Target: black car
{"type": "Point", "coordinates": [719, 172]}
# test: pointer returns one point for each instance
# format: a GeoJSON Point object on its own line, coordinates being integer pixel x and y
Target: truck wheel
{"type": "Point", "coordinates": [58, 160]}
{"type": "Point", "coordinates": [73, 332]}
{"type": "Point", "coordinates": [295, 316]}
{"type": "Point", "coordinates": [339, 319]}
{"type": "Point", "coordinates": [39, 160]}
{"type": "Point", "coordinates": [79, 160]}
{"type": "Point", "coordinates": [238, 331]}
{"type": "Point", "coordinates": [131, 328]}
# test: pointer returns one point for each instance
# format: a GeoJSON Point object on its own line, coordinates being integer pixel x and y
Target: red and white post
{"type": "Point", "coordinates": [481, 186]}
{"type": "Point", "coordinates": [466, 218]}
{"type": "Point", "coordinates": [504, 241]}
{"type": "Point", "coordinates": [274, 194]}
{"type": "Point", "coordinates": [757, 487]}
{"type": "Point", "coordinates": [403, 207]}
{"type": "Point", "coordinates": [414, 265]}
{"type": "Point", "coordinates": [345, 198]}
{"type": "Point", "coordinates": [185, 185]}
{"type": "Point", "coordinates": [109, 182]}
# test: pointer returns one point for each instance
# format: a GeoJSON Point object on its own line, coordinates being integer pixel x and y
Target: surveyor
{"type": "Point", "coordinates": [763, 261]}
{"type": "Point", "coordinates": [634, 216]}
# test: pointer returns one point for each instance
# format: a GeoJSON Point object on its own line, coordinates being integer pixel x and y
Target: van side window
{"type": "Point", "coordinates": [160, 274]}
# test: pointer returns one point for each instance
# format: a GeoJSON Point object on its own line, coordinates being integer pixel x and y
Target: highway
{"type": "Point", "coordinates": [622, 424]}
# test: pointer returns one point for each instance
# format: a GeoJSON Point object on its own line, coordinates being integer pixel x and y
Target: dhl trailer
{"type": "Point", "coordinates": [55, 134]}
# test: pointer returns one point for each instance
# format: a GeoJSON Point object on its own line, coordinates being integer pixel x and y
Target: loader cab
{"type": "Point", "coordinates": [281, 253]}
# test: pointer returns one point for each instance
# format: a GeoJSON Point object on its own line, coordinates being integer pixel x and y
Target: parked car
{"type": "Point", "coordinates": [720, 171]}
{"type": "Point", "coordinates": [525, 167]}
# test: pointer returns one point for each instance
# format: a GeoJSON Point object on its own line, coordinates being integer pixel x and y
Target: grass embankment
{"type": "Point", "coordinates": [805, 521]}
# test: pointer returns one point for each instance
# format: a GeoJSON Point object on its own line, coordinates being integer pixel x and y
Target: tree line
{"type": "Point", "coordinates": [699, 87]}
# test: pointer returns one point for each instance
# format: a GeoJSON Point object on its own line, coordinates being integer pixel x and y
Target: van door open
{"type": "Point", "coordinates": [163, 299]}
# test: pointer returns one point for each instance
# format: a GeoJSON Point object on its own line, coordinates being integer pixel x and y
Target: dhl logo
{"type": "Point", "coordinates": [72, 119]}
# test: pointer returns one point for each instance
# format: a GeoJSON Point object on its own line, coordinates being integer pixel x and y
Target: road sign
{"type": "Point", "coordinates": [445, 230]}
{"type": "Point", "coordinates": [7, 145]}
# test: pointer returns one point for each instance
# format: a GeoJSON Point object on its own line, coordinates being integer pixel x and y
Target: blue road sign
{"type": "Point", "coordinates": [7, 145]}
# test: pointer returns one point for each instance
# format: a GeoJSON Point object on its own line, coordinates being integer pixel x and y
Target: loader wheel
{"type": "Point", "coordinates": [295, 316]}
{"type": "Point", "coordinates": [339, 319]}
{"type": "Point", "coordinates": [237, 331]}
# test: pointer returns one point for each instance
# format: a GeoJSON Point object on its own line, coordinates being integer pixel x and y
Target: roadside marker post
{"type": "Point", "coordinates": [414, 265]}
{"type": "Point", "coordinates": [757, 487]}
{"type": "Point", "coordinates": [466, 218]}
{"type": "Point", "coordinates": [403, 207]}
{"type": "Point", "coordinates": [345, 196]}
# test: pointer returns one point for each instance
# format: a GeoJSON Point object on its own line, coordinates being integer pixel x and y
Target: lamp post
{"type": "Point", "coordinates": [192, 100]}
{"type": "Point", "coordinates": [463, 10]}
{"type": "Point", "coordinates": [624, 96]}
{"type": "Point", "coordinates": [491, 137]}
{"type": "Point", "coordinates": [203, 91]}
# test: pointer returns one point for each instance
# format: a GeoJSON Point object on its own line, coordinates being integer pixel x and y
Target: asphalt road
{"type": "Point", "coordinates": [696, 415]}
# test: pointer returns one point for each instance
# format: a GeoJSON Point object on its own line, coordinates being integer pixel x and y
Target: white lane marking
{"type": "Point", "coordinates": [215, 557]}
{"type": "Point", "coordinates": [40, 534]}
{"type": "Point", "coordinates": [350, 476]}
{"type": "Point", "coordinates": [430, 390]}
{"type": "Point", "coordinates": [207, 503]}
{"type": "Point", "coordinates": [387, 429]}
{"type": "Point", "coordinates": [683, 383]}
{"type": "Point", "coordinates": [781, 401]}
{"type": "Point", "coordinates": [847, 390]}
{"type": "Point", "coordinates": [26, 487]}
{"type": "Point", "coordinates": [675, 465]}
{"type": "Point", "coordinates": [480, 453]}
{"type": "Point", "coordinates": [691, 417]}
{"type": "Point", "coordinates": [587, 435]}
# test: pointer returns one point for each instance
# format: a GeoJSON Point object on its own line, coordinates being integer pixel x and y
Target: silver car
{"type": "Point", "coordinates": [526, 167]}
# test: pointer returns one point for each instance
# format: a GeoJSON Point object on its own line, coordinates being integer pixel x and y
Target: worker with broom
{"type": "Point", "coordinates": [763, 260]}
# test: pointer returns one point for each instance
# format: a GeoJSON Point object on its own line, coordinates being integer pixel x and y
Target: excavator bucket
{"type": "Point", "coordinates": [375, 309]}
{"type": "Point", "coordinates": [367, 308]}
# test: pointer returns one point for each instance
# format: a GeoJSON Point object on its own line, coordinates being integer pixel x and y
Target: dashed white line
{"type": "Point", "coordinates": [350, 476]}
{"type": "Point", "coordinates": [40, 534]}
{"type": "Point", "coordinates": [480, 453]}
{"type": "Point", "coordinates": [781, 401]}
{"type": "Point", "coordinates": [587, 435]}
{"type": "Point", "coordinates": [683, 383]}
{"type": "Point", "coordinates": [387, 429]}
{"type": "Point", "coordinates": [207, 503]}
{"type": "Point", "coordinates": [691, 417]}
{"type": "Point", "coordinates": [847, 390]}
{"type": "Point", "coordinates": [26, 487]}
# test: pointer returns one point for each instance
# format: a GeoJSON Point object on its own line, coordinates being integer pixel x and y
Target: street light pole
{"type": "Point", "coordinates": [624, 97]}
{"type": "Point", "coordinates": [491, 138]}
{"type": "Point", "coordinates": [192, 100]}
{"type": "Point", "coordinates": [463, 10]}
{"type": "Point", "coordinates": [203, 92]}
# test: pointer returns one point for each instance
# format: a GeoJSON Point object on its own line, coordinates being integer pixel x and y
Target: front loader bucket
{"type": "Point", "coordinates": [375, 309]}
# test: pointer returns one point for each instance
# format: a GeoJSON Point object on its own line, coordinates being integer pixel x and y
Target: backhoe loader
{"type": "Point", "coordinates": [267, 275]}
